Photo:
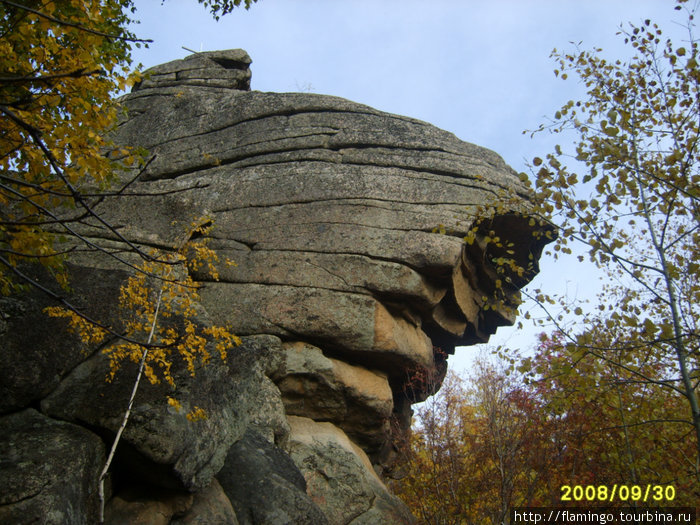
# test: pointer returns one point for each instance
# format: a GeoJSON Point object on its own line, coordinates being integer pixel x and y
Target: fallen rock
{"type": "Point", "coordinates": [143, 505]}
{"type": "Point", "coordinates": [340, 478]}
{"type": "Point", "coordinates": [210, 506]}
{"type": "Point", "coordinates": [264, 485]}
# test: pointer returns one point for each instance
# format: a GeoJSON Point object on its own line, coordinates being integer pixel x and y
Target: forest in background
{"type": "Point", "coordinates": [498, 438]}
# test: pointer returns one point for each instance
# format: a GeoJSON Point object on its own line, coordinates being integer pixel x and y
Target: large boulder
{"type": "Point", "coordinates": [159, 443]}
{"type": "Point", "coordinates": [346, 223]}
{"type": "Point", "coordinates": [340, 477]}
{"type": "Point", "coordinates": [227, 69]}
{"type": "Point", "coordinates": [357, 400]}
{"type": "Point", "coordinates": [265, 486]}
{"type": "Point", "coordinates": [48, 471]}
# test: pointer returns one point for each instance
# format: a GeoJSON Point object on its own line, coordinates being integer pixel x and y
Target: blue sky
{"type": "Point", "coordinates": [480, 69]}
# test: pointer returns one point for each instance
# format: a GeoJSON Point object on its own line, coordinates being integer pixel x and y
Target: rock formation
{"type": "Point", "coordinates": [343, 290]}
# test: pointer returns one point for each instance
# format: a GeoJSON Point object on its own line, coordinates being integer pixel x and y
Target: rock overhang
{"type": "Point", "coordinates": [331, 210]}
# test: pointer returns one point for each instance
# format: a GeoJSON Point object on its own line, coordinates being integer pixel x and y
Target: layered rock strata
{"type": "Point", "coordinates": [352, 284]}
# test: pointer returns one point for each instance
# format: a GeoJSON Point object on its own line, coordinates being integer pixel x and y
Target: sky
{"type": "Point", "coordinates": [479, 69]}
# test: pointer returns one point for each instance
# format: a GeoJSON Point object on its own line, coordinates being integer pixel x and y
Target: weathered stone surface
{"type": "Point", "coordinates": [190, 453]}
{"type": "Point", "coordinates": [327, 206]}
{"type": "Point", "coordinates": [264, 485]}
{"type": "Point", "coordinates": [340, 477]}
{"type": "Point", "coordinates": [217, 69]}
{"type": "Point", "coordinates": [48, 471]}
{"type": "Point", "coordinates": [33, 360]}
{"type": "Point", "coordinates": [357, 400]}
{"type": "Point", "coordinates": [340, 272]}
{"type": "Point", "coordinates": [210, 506]}
{"type": "Point", "coordinates": [356, 325]}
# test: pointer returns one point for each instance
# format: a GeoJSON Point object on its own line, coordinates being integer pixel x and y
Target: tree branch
{"type": "Point", "coordinates": [47, 79]}
{"type": "Point", "coordinates": [72, 24]}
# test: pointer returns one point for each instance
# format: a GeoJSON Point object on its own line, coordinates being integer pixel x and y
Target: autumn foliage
{"type": "Point", "coordinates": [501, 438]}
{"type": "Point", "coordinates": [159, 308]}
{"type": "Point", "coordinates": [625, 196]}
{"type": "Point", "coordinates": [61, 64]}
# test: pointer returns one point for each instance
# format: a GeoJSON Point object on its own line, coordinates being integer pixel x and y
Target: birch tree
{"type": "Point", "coordinates": [629, 193]}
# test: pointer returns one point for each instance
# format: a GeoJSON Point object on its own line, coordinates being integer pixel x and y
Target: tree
{"type": "Point", "coordinates": [610, 427]}
{"type": "Point", "coordinates": [433, 462]}
{"type": "Point", "coordinates": [616, 402]}
{"type": "Point", "coordinates": [500, 439]}
{"type": "Point", "coordinates": [60, 67]}
{"type": "Point", "coordinates": [61, 64]}
{"type": "Point", "coordinates": [219, 8]}
{"type": "Point", "coordinates": [159, 313]}
{"type": "Point", "coordinates": [632, 200]}
{"type": "Point", "coordinates": [472, 453]}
